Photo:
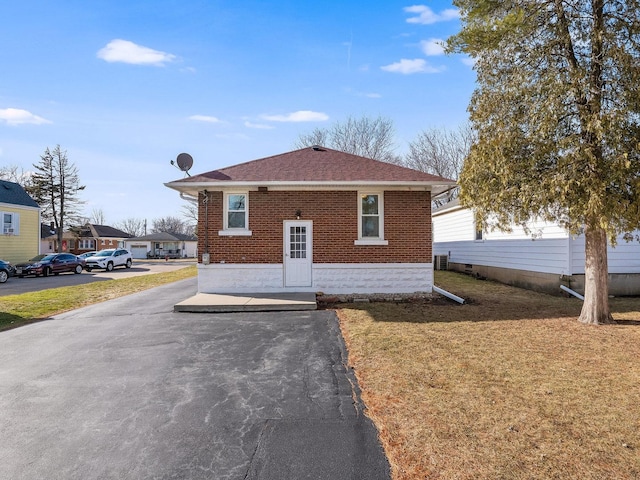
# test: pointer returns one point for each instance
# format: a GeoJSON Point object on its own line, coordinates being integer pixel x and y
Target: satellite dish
{"type": "Point", "coordinates": [184, 161]}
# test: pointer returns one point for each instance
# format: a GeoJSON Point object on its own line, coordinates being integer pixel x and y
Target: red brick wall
{"type": "Point", "coordinates": [407, 227]}
{"type": "Point", "coordinates": [72, 245]}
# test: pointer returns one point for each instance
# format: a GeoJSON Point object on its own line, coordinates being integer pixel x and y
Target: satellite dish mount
{"type": "Point", "coordinates": [184, 162]}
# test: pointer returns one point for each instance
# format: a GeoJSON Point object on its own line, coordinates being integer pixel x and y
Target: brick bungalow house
{"type": "Point", "coordinates": [88, 237]}
{"type": "Point", "coordinates": [312, 220]}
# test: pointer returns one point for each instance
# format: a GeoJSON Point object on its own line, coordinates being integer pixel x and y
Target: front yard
{"type": "Point", "coordinates": [508, 386]}
{"type": "Point", "coordinates": [18, 310]}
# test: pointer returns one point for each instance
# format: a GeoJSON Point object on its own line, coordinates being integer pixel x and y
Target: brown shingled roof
{"type": "Point", "coordinates": [315, 165]}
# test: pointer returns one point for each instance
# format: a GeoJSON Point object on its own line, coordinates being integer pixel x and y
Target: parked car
{"type": "Point", "coordinates": [109, 259]}
{"type": "Point", "coordinates": [86, 255]}
{"type": "Point", "coordinates": [6, 270]}
{"type": "Point", "coordinates": [51, 263]}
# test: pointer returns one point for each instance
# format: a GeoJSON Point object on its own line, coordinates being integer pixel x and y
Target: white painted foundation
{"type": "Point", "coordinates": [329, 278]}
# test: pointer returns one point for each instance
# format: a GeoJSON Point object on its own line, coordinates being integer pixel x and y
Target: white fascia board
{"type": "Point", "coordinates": [194, 187]}
{"type": "Point", "coordinates": [445, 210]}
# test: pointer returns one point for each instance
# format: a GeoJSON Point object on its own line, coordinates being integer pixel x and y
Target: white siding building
{"type": "Point", "coordinates": [162, 245]}
{"type": "Point", "coordinates": [541, 260]}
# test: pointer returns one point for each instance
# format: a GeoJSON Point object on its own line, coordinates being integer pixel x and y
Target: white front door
{"type": "Point", "coordinates": [297, 253]}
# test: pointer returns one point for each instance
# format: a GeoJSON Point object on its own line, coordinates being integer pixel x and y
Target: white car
{"type": "Point", "coordinates": [109, 259]}
{"type": "Point", "coordinates": [86, 255]}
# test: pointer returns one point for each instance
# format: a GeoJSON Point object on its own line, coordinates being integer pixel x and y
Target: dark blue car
{"type": "Point", "coordinates": [6, 270]}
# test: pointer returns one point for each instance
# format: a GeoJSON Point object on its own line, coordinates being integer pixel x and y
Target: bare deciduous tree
{"type": "Point", "coordinates": [367, 137]}
{"type": "Point", "coordinates": [169, 224]}
{"type": "Point", "coordinates": [441, 152]}
{"type": "Point", "coordinates": [16, 174]}
{"type": "Point", "coordinates": [97, 216]}
{"type": "Point", "coordinates": [133, 226]}
{"type": "Point", "coordinates": [190, 211]}
{"type": "Point", "coordinates": [319, 136]}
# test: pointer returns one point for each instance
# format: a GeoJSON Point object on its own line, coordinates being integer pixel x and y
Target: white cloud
{"type": "Point", "coordinates": [469, 61]}
{"type": "Point", "coordinates": [432, 47]}
{"type": "Point", "coordinates": [299, 116]}
{"type": "Point", "coordinates": [128, 52]}
{"type": "Point", "coordinates": [407, 67]}
{"type": "Point", "coordinates": [17, 116]}
{"type": "Point", "coordinates": [261, 126]}
{"type": "Point", "coordinates": [426, 16]}
{"type": "Point", "coordinates": [205, 118]}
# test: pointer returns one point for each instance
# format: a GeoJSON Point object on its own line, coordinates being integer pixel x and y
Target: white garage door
{"type": "Point", "coordinates": [139, 251]}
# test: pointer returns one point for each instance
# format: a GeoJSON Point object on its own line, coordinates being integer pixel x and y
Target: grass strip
{"type": "Point", "coordinates": [17, 310]}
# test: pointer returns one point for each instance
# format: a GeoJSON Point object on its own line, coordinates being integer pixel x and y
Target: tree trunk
{"type": "Point", "coordinates": [60, 234]}
{"type": "Point", "coordinates": [595, 309]}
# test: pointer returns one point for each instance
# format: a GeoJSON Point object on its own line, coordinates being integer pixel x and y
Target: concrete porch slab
{"type": "Point", "coordinates": [247, 302]}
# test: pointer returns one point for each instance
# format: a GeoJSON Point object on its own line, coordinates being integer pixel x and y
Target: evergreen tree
{"type": "Point", "coordinates": [55, 186]}
{"type": "Point", "coordinates": [557, 116]}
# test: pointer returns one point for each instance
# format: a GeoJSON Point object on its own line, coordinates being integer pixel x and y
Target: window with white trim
{"type": "Point", "coordinates": [236, 214]}
{"type": "Point", "coordinates": [371, 219]}
{"type": "Point", "coordinates": [478, 233]}
{"type": "Point", "coordinates": [10, 223]}
{"type": "Point", "coordinates": [86, 244]}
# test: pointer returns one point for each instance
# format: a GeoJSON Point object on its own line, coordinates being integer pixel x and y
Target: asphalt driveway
{"type": "Point", "coordinates": [129, 389]}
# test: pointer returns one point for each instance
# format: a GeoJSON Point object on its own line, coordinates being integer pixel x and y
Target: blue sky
{"type": "Point", "coordinates": [125, 86]}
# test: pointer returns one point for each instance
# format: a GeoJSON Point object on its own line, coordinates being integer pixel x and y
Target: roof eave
{"type": "Point", "coordinates": [192, 188]}
{"type": "Point", "coordinates": [452, 206]}
{"type": "Point", "coordinates": [19, 205]}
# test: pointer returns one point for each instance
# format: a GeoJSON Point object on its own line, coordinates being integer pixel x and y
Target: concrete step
{"type": "Point", "coordinates": [250, 302]}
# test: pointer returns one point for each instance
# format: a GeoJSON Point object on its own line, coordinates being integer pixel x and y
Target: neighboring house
{"type": "Point", "coordinates": [47, 243]}
{"type": "Point", "coordinates": [88, 237]}
{"type": "Point", "coordinates": [314, 220]}
{"type": "Point", "coordinates": [541, 260]}
{"type": "Point", "coordinates": [20, 223]}
{"type": "Point", "coordinates": [161, 245]}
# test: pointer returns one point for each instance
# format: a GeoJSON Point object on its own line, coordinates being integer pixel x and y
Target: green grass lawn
{"type": "Point", "coordinates": [17, 310]}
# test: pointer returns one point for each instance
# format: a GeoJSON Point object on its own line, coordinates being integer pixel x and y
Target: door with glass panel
{"type": "Point", "coordinates": [297, 253]}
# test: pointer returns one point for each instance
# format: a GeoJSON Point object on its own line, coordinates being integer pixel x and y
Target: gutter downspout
{"type": "Point", "coordinates": [572, 292]}
{"type": "Point", "coordinates": [448, 295]}
{"type": "Point", "coordinates": [188, 198]}
{"type": "Point", "coordinates": [205, 255]}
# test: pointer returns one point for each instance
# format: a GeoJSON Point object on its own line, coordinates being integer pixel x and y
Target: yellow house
{"type": "Point", "coordinates": [19, 224]}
